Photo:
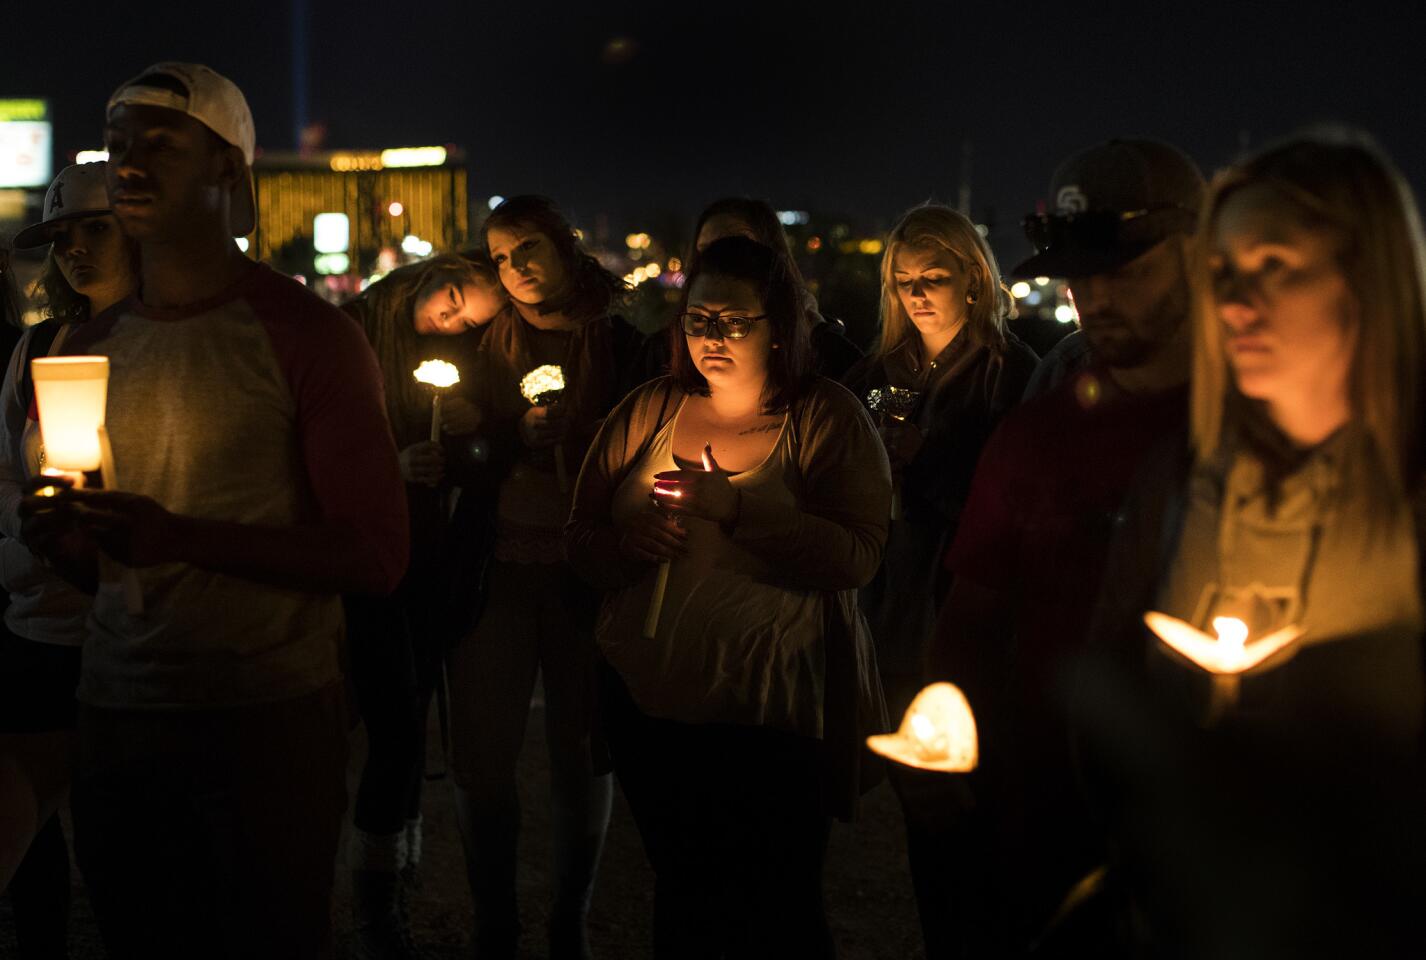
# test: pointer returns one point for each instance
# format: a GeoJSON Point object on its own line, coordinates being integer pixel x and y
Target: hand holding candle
{"type": "Point", "coordinates": [544, 387]}
{"type": "Point", "coordinates": [707, 493]}
{"type": "Point", "coordinates": [439, 376]}
{"type": "Point", "coordinates": [697, 493]}
{"type": "Point", "coordinates": [71, 394]}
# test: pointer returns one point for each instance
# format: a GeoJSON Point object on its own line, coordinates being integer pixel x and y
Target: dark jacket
{"type": "Point", "coordinates": [1292, 829]}
{"type": "Point", "coordinates": [964, 393]}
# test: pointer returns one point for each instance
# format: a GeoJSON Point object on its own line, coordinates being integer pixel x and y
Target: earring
{"type": "Point", "coordinates": [970, 298]}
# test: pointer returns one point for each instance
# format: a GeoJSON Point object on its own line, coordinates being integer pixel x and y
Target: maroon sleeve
{"type": "Point", "coordinates": [984, 549]}
{"type": "Point", "coordinates": [347, 446]}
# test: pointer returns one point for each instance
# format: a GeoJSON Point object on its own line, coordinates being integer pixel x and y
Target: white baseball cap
{"type": "Point", "coordinates": [214, 101]}
{"type": "Point", "coordinates": [77, 192]}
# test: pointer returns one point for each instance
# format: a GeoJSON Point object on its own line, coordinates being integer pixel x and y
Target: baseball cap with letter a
{"type": "Point", "coordinates": [214, 101]}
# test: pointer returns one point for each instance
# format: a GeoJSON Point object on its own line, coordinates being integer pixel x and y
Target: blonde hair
{"type": "Point", "coordinates": [1340, 181]}
{"type": "Point", "coordinates": [932, 226]}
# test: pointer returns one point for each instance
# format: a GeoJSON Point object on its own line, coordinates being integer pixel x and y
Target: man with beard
{"type": "Point", "coordinates": [1031, 547]}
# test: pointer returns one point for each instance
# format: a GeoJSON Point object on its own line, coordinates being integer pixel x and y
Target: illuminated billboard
{"type": "Point", "coordinates": [24, 143]}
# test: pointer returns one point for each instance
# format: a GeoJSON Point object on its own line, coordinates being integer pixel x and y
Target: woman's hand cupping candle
{"type": "Point", "coordinates": [706, 494]}
{"type": "Point", "coordinates": [438, 375]}
{"type": "Point", "coordinates": [544, 387]}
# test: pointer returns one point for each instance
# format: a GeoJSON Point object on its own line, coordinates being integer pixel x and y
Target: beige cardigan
{"type": "Point", "coordinates": [832, 541]}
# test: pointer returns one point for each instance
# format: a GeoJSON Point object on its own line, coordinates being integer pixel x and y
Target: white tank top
{"type": "Point", "coordinates": [734, 644]}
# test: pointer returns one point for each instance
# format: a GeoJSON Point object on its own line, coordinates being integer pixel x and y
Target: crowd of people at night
{"type": "Point", "coordinates": [726, 565]}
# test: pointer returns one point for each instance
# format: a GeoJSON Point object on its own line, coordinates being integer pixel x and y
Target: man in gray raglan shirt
{"type": "Point", "coordinates": [259, 481]}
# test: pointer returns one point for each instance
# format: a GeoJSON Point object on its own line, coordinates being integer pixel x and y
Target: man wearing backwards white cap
{"type": "Point", "coordinates": [210, 790]}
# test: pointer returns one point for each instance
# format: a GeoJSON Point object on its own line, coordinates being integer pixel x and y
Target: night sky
{"type": "Point", "coordinates": [857, 115]}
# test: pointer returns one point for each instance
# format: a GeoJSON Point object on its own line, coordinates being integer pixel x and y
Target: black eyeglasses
{"type": "Point", "coordinates": [1106, 229]}
{"type": "Point", "coordinates": [729, 328]}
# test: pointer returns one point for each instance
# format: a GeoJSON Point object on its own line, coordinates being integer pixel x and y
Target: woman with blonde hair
{"type": "Point", "coordinates": [943, 340]}
{"type": "Point", "coordinates": [1294, 507]}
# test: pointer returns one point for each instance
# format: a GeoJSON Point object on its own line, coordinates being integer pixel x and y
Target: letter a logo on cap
{"type": "Point", "coordinates": [1071, 199]}
{"type": "Point", "coordinates": [57, 201]}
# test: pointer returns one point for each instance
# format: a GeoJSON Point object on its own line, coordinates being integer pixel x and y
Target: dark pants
{"type": "Point", "coordinates": [732, 823]}
{"type": "Point", "coordinates": [212, 833]}
{"type": "Point", "coordinates": [394, 655]}
{"type": "Point", "coordinates": [536, 623]}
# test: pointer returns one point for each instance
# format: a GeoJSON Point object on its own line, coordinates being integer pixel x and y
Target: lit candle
{"type": "Point", "coordinates": [1230, 653]}
{"type": "Point", "coordinates": [544, 386]}
{"type": "Point", "coordinates": [438, 375]}
{"type": "Point", "coordinates": [71, 393]}
{"type": "Point", "coordinates": [938, 733]}
{"type": "Point", "coordinates": [651, 617]}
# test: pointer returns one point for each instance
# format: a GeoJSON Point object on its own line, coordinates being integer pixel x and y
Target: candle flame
{"type": "Point", "coordinates": [1232, 633]}
{"type": "Point", "coordinates": [543, 382]}
{"type": "Point", "coordinates": [437, 373]}
{"type": "Point", "coordinates": [922, 728]}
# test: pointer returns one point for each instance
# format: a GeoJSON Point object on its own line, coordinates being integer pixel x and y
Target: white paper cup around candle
{"type": "Point", "coordinates": [70, 393]}
{"type": "Point", "coordinates": [133, 589]}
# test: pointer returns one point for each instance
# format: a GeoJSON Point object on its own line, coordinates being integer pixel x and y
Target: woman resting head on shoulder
{"type": "Point", "coordinates": [406, 316]}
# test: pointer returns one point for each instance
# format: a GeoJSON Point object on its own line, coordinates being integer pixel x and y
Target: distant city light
{"type": "Point", "coordinates": [242, 243]}
{"type": "Point", "coordinates": [1042, 281]}
{"type": "Point", "coordinates": [792, 218]}
{"type": "Point", "coordinates": [653, 270]}
{"type": "Point", "coordinates": [348, 162]}
{"type": "Point", "coordinates": [331, 233]}
{"type": "Point", "coordinates": [1020, 290]}
{"type": "Point", "coordinates": [91, 156]}
{"type": "Point", "coordinates": [675, 264]}
{"type": "Point", "coordinates": [396, 209]}
{"type": "Point", "coordinates": [1064, 313]}
{"type": "Point", "coordinates": [814, 244]}
{"type": "Point", "coordinates": [332, 263]}
{"type": "Point", "coordinates": [637, 241]}
{"type": "Point", "coordinates": [495, 201]}
{"type": "Point", "coordinates": [413, 157]}
{"type": "Point", "coordinates": [870, 247]}
{"type": "Point", "coordinates": [415, 246]}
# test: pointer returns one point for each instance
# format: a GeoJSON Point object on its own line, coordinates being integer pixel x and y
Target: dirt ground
{"type": "Point", "coordinates": [868, 888]}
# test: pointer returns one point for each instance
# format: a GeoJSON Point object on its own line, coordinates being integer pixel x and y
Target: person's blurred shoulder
{"type": "Point", "coordinates": [1066, 358]}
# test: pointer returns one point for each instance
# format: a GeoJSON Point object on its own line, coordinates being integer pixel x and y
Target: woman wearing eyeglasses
{"type": "Point", "coordinates": [1278, 811]}
{"type": "Point", "coordinates": [734, 712]}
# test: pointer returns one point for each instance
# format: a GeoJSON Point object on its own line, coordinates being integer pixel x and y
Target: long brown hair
{"type": "Point", "coordinates": [590, 290]}
{"type": "Point", "coordinates": [1340, 181]}
{"type": "Point", "coordinates": [386, 312]}
{"type": "Point", "coordinates": [927, 227]}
